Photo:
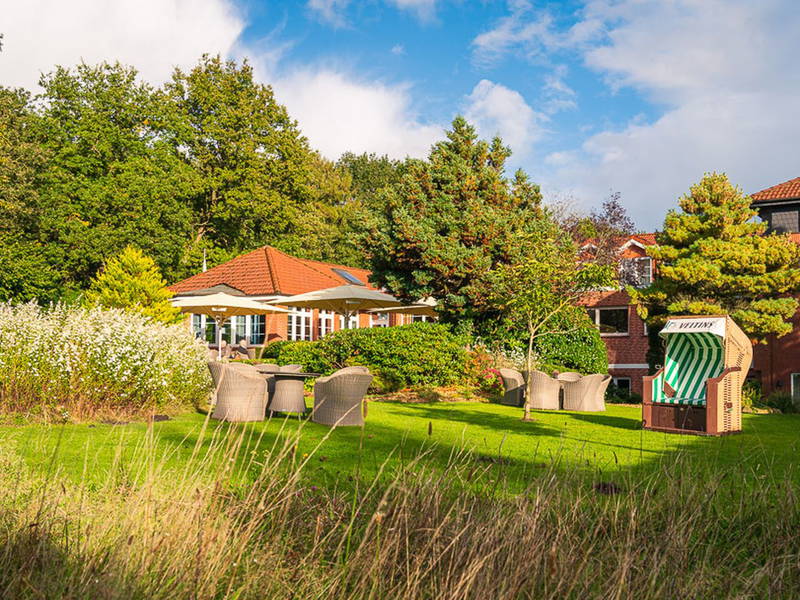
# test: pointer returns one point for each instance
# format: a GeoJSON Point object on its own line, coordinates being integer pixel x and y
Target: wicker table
{"type": "Point", "coordinates": [288, 395]}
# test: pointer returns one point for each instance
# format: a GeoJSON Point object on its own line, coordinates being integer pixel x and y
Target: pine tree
{"type": "Point", "coordinates": [713, 257]}
{"type": "Point", "coordinates": [132, 281]}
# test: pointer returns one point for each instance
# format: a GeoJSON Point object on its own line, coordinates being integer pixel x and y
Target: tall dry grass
{"type": "Point", "coordinates": [234, 524]}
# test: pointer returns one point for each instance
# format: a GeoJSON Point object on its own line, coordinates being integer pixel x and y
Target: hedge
{"type": "Point", "coordinates": [406, 355]}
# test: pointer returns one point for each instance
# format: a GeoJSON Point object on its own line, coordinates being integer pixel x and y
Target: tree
{"type": "Point", "coordinates": [602, 228]}
{"type": "Point", "coordinates": [714, 258]}
{"type": "Point", "coordinates": [247, 161]}
{"type": "Point", "coordinates": [132, 281]}
{"type": "Point", "coordinates": [450, 221]}
{"type": "Point", "coordinates": [541, 289]}
{"type": "Point", "coordinates": [111, 179]}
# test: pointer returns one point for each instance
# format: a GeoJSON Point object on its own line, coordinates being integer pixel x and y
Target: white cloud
{"type": "Point", "coordinates": [425, 10]}
{"type": "Point", "coordinates": [498, 110]}
{"type": "Point", "coordinates": [330, 11]}
{"type": "Point", "coordinates": [339, 113]}
{"type": "Point", "coordinates": [724, 72]}
{"type": "Point", "coordinates": [398, 49]}
{"type": "Point", "coordinates": [522, 31]}
{"type": "Point", "coordinates": [153, 35]}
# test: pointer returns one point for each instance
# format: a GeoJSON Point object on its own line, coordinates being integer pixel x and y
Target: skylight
{"type": "Point", "coordinates": [348, 277]}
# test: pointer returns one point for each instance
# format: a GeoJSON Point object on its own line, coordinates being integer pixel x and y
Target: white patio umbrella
{"type": "Point", "coordinates": [426, 306]}
{"type": "Point", "coordinates": [221, 307]}
{"type": "Point", "coordinates": [345, 300]}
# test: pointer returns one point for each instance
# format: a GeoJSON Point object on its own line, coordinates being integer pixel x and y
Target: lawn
{"type": "Point", "coordinates": [605, 446]}
{"type": "Point", "coordinates": [442, 500]}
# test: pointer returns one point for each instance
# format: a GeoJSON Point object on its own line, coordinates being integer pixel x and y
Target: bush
{"type": "Point", "coordinates": [751, 395]}
{"type": "Point", "coordinates": [416, 354]}
{"type": "Point", "coordinates": [79, 361]}
{"type": "Point", "coordinates": [582, 350]}
{"type": "Point", "coordinates": [782, 401]}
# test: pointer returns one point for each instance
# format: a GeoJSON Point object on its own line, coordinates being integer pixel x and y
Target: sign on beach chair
{"type": "Point", "coordinates": [699, 389]}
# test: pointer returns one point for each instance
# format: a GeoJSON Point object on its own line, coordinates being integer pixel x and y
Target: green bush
{"type": "Point", "coordinates": [617, 395]}
{"type": "Point", "coordinates": [782, 401]}
{"type": "Point", "coordinates": [751, 395]}
{"type": "Point", "coordinates": [582, 350]}
{"type": "Point", "coordinates": [416, 354]}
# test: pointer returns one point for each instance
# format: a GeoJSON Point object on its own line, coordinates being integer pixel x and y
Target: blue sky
{"type": "Point", "coordinates": [636, 96]}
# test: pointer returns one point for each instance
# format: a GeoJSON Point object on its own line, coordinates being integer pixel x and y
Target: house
{"type": "Point", "coordinates": [269, 274]}
{"type": "Point", "coordinates": [621, 329]}
{"type": "Point", "coordinates": [776, 364]}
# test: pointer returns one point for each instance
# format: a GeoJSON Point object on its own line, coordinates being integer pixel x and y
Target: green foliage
{"type": "Point", "coordinates": [132, 282]}
{"type": "Point", "coordinates": [751, 395]}
{"type": "Point", "coordinates": [416, 354]}
{"type": "Point", "coordinates": [781, 401]}
{"type": "Point", "coordinates": [449, 222]}
{"type": "Point", "coordinates": [713, 258]}
{"type": "Point", "coordinates": [579, 350]}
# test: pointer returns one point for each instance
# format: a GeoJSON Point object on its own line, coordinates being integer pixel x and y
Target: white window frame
{"type": "Point", "coordinates": [325, 325]}
{"type": "Point", "coordinates": [353, 321]}
{"type": "Point", "coordinates": [299, 325]}
{"type": "Point", "coordinates": [375, 318]}
{"type": "Point", "coordinates": [639, 260]}
{"type": "Point", "coordinates": [597, 310]}
{"type": "Point", "coordinates": [792, 387]}
{"type": "Point", "coordinates": [420, 318]}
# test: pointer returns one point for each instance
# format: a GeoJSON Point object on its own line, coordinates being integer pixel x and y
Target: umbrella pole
{"type": "Point", "coordinates": [220, 321]}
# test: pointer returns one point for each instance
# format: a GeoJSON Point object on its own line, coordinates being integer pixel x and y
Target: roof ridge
{"type": "Point", "coordinates": [273, 274]}
{"type": "Point", "coordinates": [303, 260]}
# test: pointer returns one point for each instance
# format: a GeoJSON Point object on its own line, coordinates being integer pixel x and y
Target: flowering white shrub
{"type": "Point", "coordinates": [85, 359]}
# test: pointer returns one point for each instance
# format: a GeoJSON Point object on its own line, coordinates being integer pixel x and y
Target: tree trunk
{"type": "Point", "coordinates": [529, 380]}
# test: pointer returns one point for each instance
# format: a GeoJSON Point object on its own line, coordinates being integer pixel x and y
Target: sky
{"type": "Point", "coordinates": [638, 97]}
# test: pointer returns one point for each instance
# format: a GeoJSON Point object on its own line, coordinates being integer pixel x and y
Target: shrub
{"type": "Point", "coordinates": [84, 360]}
{"type": "Point", "coordinates": [751, 395]}
{"type": "Point", "coordinates": [617, 395]}
{"type": "Point", "coordinates": [782, 401]}
{"type": "Point", "coordinates": [582, 350]}
{"type": "Point", "coordinates": [416, 354]}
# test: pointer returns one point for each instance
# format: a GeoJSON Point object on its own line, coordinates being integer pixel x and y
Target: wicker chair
{"type": "Point", "coordinates": [339, 398]}
{"type": "Point", "coordinates": [546, 391]}
{"type": "Point", "coordinates": [514, 386]}
{"type": "Point", "coordinates": [241, 392]}
{"type": "Point", "coordinates": [267, 370]}
{"type": "Point", "coordinates": [581, 395]}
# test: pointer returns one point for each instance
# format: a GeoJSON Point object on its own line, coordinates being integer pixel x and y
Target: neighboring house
{"type": "Point", "coordinates": [269, 274]}
{"type": "Point", "coordinates": [775, 364]}
{"type": "Point", "coordinates": [622, 331]}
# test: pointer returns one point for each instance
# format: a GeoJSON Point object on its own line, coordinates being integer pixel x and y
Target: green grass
{"type": "Point", "coordinates": [607, 446]}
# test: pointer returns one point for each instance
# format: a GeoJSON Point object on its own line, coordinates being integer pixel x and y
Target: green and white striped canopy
{"type": "Point", "coordinates": [695, 352]}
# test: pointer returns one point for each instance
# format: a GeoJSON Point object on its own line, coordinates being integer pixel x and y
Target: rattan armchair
{"type": "Point", "coordinates": [513, 386]}
{"type": "Point", "coordinates": [339, 398]}
{"type": "Point", "coordinates": [241, 392]}
{"type": "Point", "coordinates": [546, 392]}
{"type": "Point", "coordinates": [582, 394]}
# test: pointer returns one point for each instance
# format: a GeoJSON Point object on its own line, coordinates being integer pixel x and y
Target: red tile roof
{"type": "Point", "coordinates": [268, 271]}
{"type": "Point", "coordinates": [783, 191]}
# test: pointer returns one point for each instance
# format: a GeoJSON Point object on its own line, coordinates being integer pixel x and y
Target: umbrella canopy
{"type": "Point", "coordinates": [345, 300]}
{"type": "Point", "coordinates": [426, 306]}
{"type": "Point", "coordinates": [221, 307]}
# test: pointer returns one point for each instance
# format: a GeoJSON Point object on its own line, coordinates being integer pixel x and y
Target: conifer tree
{"type": "Point", "coordinates": [713, 257]}
{"type": "Point", "coordinates": [132, 281]}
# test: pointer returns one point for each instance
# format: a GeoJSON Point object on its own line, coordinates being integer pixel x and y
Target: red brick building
{"type": "Point", "coordinates": [775, 364]}
{"type": "Point", "coordinates": [269, 274]}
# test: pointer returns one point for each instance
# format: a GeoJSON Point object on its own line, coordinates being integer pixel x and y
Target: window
{"type": "Point", "coordinates": [348, 277]}
{"type": "Point", "coordinates": [610, 321]}
{"type": "Point", "coordinates": [325, 325]}
{"type": "Point", "coordinates": [419, 318]}
{"type": "Point", "coordinates": [258, 327]}
{"type": "Point", "coordinates": [795, 391]}
{"type": "Point", "coordinates": [352, 322]}
{"type": "Point", "coordinates": [637, 272]}
{"type": "Point", "coordinates": [784, 221]}
{"type": "Point", "coordinates": [379, 320]}
{"type": "Point", "coordinates": [299, 324]}
{"type": "Point", "coordinates": [623, 384]}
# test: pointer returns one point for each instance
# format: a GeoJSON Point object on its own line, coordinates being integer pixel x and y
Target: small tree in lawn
{"type": "Point", "coordinates": [713, 258]}
{"type": "Point", "coordinates": [541, 290]}
{"type": "Point", "coordinates": [132, 281]}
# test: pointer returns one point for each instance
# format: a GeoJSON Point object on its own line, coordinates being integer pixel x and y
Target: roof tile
{"type": "Point", "coordinates": [783, 191]}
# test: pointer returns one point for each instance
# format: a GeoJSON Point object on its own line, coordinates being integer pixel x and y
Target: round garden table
{"type": "Point", "coordinates": [288, 395]}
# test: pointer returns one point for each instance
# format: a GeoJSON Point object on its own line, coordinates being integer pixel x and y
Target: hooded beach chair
{"type": "Point", "coordinates": [699, 388]}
